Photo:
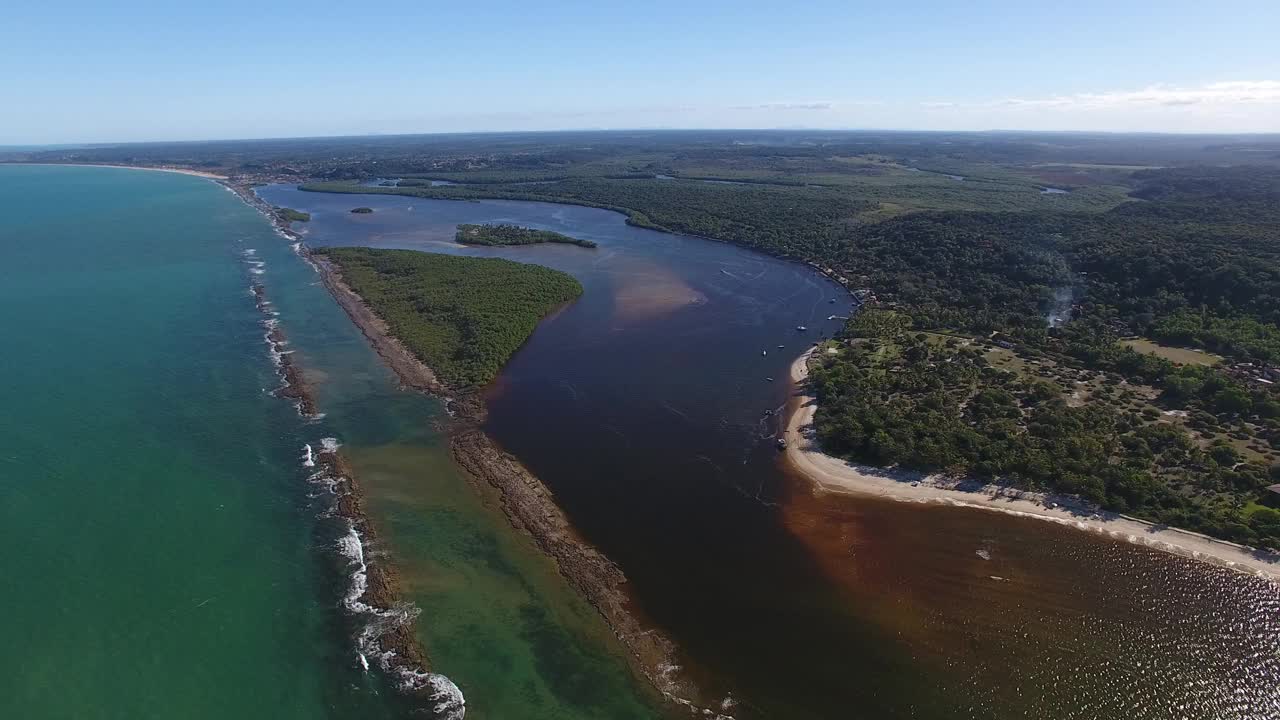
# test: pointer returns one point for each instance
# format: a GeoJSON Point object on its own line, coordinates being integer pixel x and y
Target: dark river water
{"type": "Point", "coordinates": [643, 407]}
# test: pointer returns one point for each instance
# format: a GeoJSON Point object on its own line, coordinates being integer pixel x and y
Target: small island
{"type": "Point", "coordinates": [362, 210]}
{"type": "Point", "coordinates": [513, 235]}
{"type": "Point", "coordinates": [291, 215]}
{"type": "Point", "coordinates": [463, 317]}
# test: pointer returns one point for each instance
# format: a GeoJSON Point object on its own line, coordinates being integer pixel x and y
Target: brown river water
{"type": "Point", "coordinates": [642, 406]}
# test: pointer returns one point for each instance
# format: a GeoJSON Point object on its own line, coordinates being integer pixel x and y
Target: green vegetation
{"type": "Point", "coordinates": [1176, 355]}
{"type": "Point", "coordinates": [362, 210]}
{"type": "Point", "coordinates": [291, 215]}
{"type": "Point", "coordinates": [1005, 354]}
{"type": "Point", "coordinates": [784, 220]}
{"type": "Point", "coordinates": [513, 235]}
{"type": "Point", "coordinates": [966, 374]}
{"type": "Point", "coordinates": [1193, 448]}
{"type": "Point", "coordinates": [464, 317]}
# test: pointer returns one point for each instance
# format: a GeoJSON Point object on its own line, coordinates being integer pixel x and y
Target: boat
{"type": "Point", "coordinates": [764, 352]}
{"type": "Point", "coordinates": [801, 328]}
{"type": "Point", "coordinates": [769, 379]}
{"type": "Point", "coordinates": [781, 346]}
{"type": "Point", "coordinates": [782, 444]}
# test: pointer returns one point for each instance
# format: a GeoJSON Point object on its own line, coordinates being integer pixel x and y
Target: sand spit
{"type": "Point", "coordinates": [832, 474]}
{"type": "Point", "coordinates": [179, 170]}
{"type": "Point", "coordinates": [525, 500]}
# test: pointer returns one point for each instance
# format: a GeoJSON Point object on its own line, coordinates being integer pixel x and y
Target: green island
{"type": "Point", "coordinates": [489, 234]}
{"type": "Point", "coordinates": [362, 210]}
{"type": "Point", "coordinates": [291, 215]}
{"type": "Point", "coordinates": [463, 317]}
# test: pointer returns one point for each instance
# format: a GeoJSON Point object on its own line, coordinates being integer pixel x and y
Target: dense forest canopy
{"type": "Point", "coordinates": [1088, 313]}
{"type": "Point", "coordinates": [490, 234]}
{"type": "Point", "coordinates": [463, 317]}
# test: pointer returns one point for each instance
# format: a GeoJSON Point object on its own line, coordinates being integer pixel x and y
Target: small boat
{"type": "Point", "coordinates": [781, 346]}
{"type": "Point", "coordinates": [769, 379]}
{"type": "Point", "coordinates": [801, 328]}
{"type": "Point", "coordinates": [832, 300]}
{"type": "Point", "coordinates": [768, 412]}
{"type": "Point", "coordinates": [782, 444]}
{"type": "Point", "coordinates": [764, 352]}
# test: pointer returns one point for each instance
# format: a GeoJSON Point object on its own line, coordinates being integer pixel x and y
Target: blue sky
{"type": "Point", "coordinates": [125, 71]}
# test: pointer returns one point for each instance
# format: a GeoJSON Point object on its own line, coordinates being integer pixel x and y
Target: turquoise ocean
{"type": "Point", "coordinates": [166, 555]}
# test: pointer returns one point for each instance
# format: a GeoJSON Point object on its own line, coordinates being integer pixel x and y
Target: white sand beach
{"type": "Point", "coordinates": [834, 475]}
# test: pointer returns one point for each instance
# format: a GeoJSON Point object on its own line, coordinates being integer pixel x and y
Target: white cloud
{"type": "Point", "coordinates": [1235, 92]}
{"type": "Point", "coordinates": [786, 106]}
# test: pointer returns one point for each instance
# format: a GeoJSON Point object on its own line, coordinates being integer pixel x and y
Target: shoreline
{"type": "Point", "coordinates": [241, 185]}
{"type": "Point", "coordinates": [179, 170]}
{"type": "Point", "coordinates": [829, 474]}
{"type": "Point", "coordinates": [527, 503]}
{"type": "Point", "coordinates": [382, 622]}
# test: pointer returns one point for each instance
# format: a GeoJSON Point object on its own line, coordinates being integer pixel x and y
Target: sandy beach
{"type": "Point", "coordinates": [834, 475]}
{"type": "Point", "coordinates": [180, 171]}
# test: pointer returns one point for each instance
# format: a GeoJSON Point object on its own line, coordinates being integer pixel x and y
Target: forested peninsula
{"type": "Point", "coordinates": [1121, 347]}
{"type": "Point", "coordinates": [489, 234]}
{"type": "Point", "coordinates": [463, 317]}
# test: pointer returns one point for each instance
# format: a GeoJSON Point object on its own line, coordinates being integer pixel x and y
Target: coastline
{"type": "Point", "coordinates": [242, 186]}
{"type": "Point", "coordinates": [387, 632]}
{"type": "Point", "coordinates": [829, 474]}
{"type": "Point", "coordinates": [528, 504]}
{"type": "Point", "coordinates": [383, 623]}
{"type": "Point", "coordinates": [179, 170]}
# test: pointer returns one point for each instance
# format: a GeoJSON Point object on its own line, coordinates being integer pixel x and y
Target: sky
{"type": "Point", "coordinates": [74, 72]}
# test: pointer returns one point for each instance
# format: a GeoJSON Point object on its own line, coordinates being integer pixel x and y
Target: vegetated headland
{"type": "Point", "coordinates": [488, 234]}
{"type": "Point", "coordinates": [461, 316]}
{"type": "Point", "coordinates": [804, 454]}
{"type": "Point", "coordinates": [446, 325]}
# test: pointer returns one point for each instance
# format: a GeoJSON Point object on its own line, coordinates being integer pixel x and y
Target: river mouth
{"type": "Point", "coordinates": [647, 407]}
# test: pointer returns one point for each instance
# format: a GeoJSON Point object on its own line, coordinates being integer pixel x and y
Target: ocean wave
{"type": "Point", "coordinates": [448, 701]}
{"type": "Point", "coordinates": [446, 698]}
{"type": "Point", "coordinates": [327, 483]}
{"type": "Point", "coordinates": [351, 546]}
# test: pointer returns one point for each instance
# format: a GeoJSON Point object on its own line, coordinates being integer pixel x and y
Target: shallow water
{"type": "Point", "coordinates": [171, 558]}
{"type": "Point", "coordinates": [643, 407]}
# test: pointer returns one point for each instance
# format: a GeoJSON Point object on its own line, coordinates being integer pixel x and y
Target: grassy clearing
{"type": "Point", "coordinates": [1181, 356]}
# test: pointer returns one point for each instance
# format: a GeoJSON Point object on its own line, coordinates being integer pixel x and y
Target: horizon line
{"type": "Point", "coordinates": [71, 145]}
